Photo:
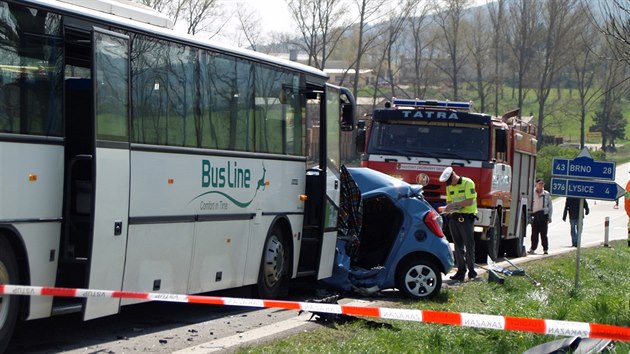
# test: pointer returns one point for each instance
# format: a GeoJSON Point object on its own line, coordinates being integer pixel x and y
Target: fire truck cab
{"type": "Point", "coordinates": [414, 140]}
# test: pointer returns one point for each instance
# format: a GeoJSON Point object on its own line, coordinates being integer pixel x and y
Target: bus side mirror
{"type": "Point", "coordinates": [347, 117]}
{"type": "Point", "coordinates": [360, 141]}
{"type": "Point", "coordinates": [347, 109]}
{"type": "Point", "coordinates": [501, 140]}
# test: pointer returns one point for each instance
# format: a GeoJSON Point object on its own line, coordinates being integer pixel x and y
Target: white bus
{"type": "Point", "coordinates": [134, 158]}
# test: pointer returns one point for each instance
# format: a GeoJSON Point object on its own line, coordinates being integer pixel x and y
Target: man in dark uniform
{"type": "Point", "coordinates": [461, 204]}
{"type": "Point", "coordinates": [572, 207]}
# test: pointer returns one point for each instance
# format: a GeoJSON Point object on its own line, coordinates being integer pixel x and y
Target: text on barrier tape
{"type": "Point", "coordinates": [541, 326]}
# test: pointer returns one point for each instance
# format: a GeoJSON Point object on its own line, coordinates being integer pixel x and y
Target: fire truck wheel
{"type": "Point", "coordinates": [494, 239]}
{"type": "Point", "coordinates": [8, 304]}
{"type": "Point", "coordinates": [418, 279]}
{"type": "Point", "coordinates": [272, 274]}
{"type": "Point", "coordinates": [516, 246]}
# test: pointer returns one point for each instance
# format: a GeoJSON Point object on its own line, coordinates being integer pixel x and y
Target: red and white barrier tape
{"type": "Point", "coordinates": [507, 323]}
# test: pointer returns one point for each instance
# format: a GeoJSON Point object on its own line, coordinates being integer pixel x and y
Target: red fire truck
{"type": "Point", "coordinates": [415, 140]}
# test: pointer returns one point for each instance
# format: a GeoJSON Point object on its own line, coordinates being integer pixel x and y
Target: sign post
{"type": "Point", "coordinates": [584, 178]}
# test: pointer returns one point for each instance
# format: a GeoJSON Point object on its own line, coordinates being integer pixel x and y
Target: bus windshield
{"type": "Point", "coordinates": [441, 141]}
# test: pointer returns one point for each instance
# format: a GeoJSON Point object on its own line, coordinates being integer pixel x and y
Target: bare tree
{"type": "Point", "coordinates": [521, 34]}
{"type": "Point", "coordinates": [368, 11]}
{"type": "Point", "coordinates": [320, 23]}
{"type": "Point", "coordinates": [496, 11]}
{"type": "Point", "coordinates": [616, 27]}
{"type": "Point", "coordinates": [608, 120]}
{"type": "Point", "coordinates": [559, 19]}
{"type": "Point", "coordinates": [585, 67]}
{"type": "Point", "coordinates": [422, 45]}
{"type": "Point", "coordinates": [478, 43]}
{"type": "Point", "coordinates": [398, 17]}
{"type": "Point", "coordinates": [449, 18]}
{"type": "Point", "coordinates": [249, 25]}
{"type": "Point", "coordinates": [197, 15]}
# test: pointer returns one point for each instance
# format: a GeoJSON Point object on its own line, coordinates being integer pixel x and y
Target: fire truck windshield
{"type": "Point", "coordinates": [437, 141]}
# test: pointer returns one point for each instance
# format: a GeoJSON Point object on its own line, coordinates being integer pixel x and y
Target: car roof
{"type": "Point", "coordinates": [372, 182]}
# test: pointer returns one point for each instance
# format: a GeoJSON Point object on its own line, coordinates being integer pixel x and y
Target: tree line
{"type": "Point", "coordinates": [504, 50]}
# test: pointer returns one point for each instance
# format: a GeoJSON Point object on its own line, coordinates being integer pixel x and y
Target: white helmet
{"type": "Point", "coordinates": [446, 174]}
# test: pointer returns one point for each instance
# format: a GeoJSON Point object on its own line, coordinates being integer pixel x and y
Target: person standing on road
{"type": "Point", "coordinates": [461, 203]}
{"type": "Point", "coordinates": [572, 207]}
{"type": "Point", "coordinates": [542, 208]}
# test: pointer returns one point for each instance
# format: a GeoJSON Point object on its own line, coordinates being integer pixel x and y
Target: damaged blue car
{"type": "Point", "coordinates": [390, 237]}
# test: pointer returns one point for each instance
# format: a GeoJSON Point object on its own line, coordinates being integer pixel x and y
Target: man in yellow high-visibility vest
{"type": "Point", "coordinates": [461, 203]}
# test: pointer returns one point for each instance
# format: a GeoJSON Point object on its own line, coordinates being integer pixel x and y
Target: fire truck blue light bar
{"type": "Point", "coordinates": [432, 103]}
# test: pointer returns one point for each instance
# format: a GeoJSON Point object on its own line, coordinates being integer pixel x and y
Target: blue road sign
{"type": "Point", "coordinates": [584, 167]}
{"type": "Point", "coordinates": [588, 189]}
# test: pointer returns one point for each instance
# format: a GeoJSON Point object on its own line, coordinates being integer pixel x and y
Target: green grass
{"type": "Point", "coordinates": [602, 297]}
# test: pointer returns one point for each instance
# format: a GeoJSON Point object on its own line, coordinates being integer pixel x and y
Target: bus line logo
{"type": "Point", "coordinates": [226, 179]}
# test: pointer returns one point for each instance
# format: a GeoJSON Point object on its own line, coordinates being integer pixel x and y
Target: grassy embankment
{"type": "Point", "coordinates": [602, 297]}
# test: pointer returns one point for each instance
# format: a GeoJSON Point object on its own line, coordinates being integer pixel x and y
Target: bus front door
{"type": "Point", "coordinates": [319, 239]}
{"type": "Point", "coordinates": [331, 159]}
{"type": "Point", "coordinates": [110, 78]}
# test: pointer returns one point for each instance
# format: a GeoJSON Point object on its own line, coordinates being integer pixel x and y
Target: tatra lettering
{"type": "Point", "coordinates": [420, 114]}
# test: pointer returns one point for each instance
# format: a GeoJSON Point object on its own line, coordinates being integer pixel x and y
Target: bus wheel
{"type": "Point", "coordinates": [273, 265]}
{"type": "Point", "coordinates": [8, 304]}
{"type": "Point", "coordinates": [494, 238]}
{"type": "Point", "coordinates": [418, 279]}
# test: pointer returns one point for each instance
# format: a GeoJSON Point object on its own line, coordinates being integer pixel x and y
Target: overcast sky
{"type": "Point", "coordinates": [273, 13]}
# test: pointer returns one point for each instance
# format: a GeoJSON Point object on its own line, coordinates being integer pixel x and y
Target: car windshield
{"type": "Point", "coordinates": [436, 141]}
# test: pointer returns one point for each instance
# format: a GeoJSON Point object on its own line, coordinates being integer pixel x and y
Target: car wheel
{"type": "Point", "coordinates": [8, 304]}
{"type": "Point", "coordinates": [273, 265]}
{"type": "Point", "coordinates": [418, 279]}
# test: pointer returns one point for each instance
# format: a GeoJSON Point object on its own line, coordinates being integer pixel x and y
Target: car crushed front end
{"type": "Point", "coordinates": [400, 243]}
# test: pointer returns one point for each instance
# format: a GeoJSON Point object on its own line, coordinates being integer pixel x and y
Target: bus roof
{"type": "Point", "coordinates": [147, 23]}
